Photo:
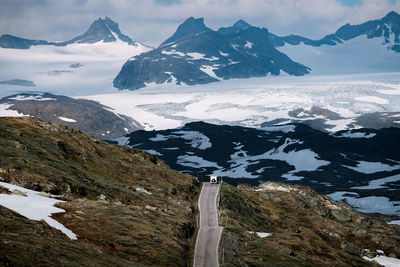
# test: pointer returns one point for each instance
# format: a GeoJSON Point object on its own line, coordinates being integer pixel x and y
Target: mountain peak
{"type": "Point", "coordinates": [392, 16]}
{"type": "Point", "coordinates": [241, 24]}
{"type": "Point", "coordinates": [103, 29]}
{"type": "Point", "coordinates": [188, 27]}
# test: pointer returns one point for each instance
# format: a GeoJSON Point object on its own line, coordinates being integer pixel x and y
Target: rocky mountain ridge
{"type": "Point", "coordinates": [101, 30]}
{"type": "Point", "coordinates": [195, 54]}
{"type": "Point", "coordinates": [387, 27]}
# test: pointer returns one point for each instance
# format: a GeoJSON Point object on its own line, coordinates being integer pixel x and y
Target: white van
{"type": "Point", "coordinates": [213, 179]}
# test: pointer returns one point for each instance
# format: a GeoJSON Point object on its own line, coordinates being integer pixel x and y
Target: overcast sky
{"type": "Point", "coordinates": [152, 21]}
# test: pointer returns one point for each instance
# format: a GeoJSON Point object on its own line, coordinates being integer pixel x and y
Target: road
{"type": "Point", "coordinates": [209, 232]}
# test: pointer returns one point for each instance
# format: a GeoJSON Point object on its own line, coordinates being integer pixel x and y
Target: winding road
{"type": "Point", "coordinates": [206, 251]}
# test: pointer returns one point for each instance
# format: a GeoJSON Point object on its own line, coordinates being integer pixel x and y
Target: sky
{"type": "Point", "coordinates": [152, 21]}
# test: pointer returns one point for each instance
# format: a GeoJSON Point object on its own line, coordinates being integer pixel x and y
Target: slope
{"type": "Point", "coordinates": [126, 206]}
{"type": "Point", "coordinates": [282, 225]}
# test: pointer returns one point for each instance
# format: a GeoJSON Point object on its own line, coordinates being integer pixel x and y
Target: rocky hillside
{"type": "Point", "coordinates": [126, 207]}
{"type": "Point", "coordinates": [87, 116]}
{"type": "Point", "coordinates": [195, 54]}
{"type": "Point", "coordinates": [283, 225]}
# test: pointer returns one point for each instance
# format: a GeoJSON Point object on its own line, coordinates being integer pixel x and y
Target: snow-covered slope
{"type": "Point", "coordinates": [373, 46]}
{"type": "Point", "coordinates": [75, 69]}
{"type": "Point", "coordinates": [85, 64]}
{"type": "Point", "coordinates": [358, 55]}
{"type": "Point", "coordinates": [333, 103]}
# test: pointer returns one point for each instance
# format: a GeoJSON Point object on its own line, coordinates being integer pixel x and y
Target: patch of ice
{"type": "Point", "coordinates": [159, 137]}
{"type": "Point", "coordinates": [34, 206]}
{"type": "Point", "coordinates": [350, 134]}
{"type": "Point", "coordinates": [372, 167]}
{"type": "Point", "coordinates": [123, 140]}
{"type": "Point", "coordinates": [280, 128]}
{"type": "Point", "coordinates": [67, 119]}
{"type": "Point", "coordinates": [196, 162]}
{"type": "Point", "coordinates": [379, 183]}
{"type": "Point", "coordinates": [370, 204]}
{"type": "Point", "coordinates": [248, 45]}
{"type": "Point", "coordinates": [224, 54]}
{"type": "Point", "coordinates": [397, 222]}
{"type": "Point", "coordinates": [196, 139]}
{"type": "Point", "coordinates": [301, 160]}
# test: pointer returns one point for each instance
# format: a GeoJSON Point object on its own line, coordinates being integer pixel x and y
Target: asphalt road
{"type": "Point", "coordinates": [209, 233]}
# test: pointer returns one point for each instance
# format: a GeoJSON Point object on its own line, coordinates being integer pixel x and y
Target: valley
{"type": "Point", "coordinates": [106, 143]}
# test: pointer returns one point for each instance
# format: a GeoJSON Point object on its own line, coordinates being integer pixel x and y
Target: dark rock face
{"type": "Point", "coordinates": [196, 55]}
{"type": "Point", "coordinates": [248, 155]}
{"type": "Point", "coordinates": [10, 41]}
{"type": "Point", "coordinates": [103, 29]}
{"type": "Point", "coordinates": [87, 116]}
{"type": "Point", "coordinates": [188, 27]}
{"type": "Point", "coordinates": [390, 24]}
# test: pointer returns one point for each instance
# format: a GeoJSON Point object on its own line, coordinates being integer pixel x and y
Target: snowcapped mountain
{"type": "Point", "coordinates": [195, 54]}
{"type": "Point", "coordinates": [363, 163]}
{"type": "Point", "coordinates": [83, 65]}
{"type": "Point", "coordinates": [373, 46]}
{"type": "Point", "coordinates": [102, 29]}
{"type": "Point", "coordinates": [388, 27]}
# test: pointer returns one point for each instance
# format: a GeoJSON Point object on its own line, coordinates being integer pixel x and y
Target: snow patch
{"type": "Point", "coordinates": [301, 160]}
{"type": "Point", "coordinates": [6, 112]}
{"type": "Point", "coordinates": [248, 45]}
{"type": "Point", "coordinates": [370, 204]}
{"type": "Point", "coordinates": [31, 97]}
{"type": "Point", "coordinates": [195, 162]}
{"type": "Point", "coordinates": [196, 139]}
{"type": "Point", "coordinates": [379, 183]}
{"type": "Point", "coordinates": [384, 260]}
{"type": "Point", "coordinates": [34, 206]}
{"type": "Point", "coordinates": [67, 119]}
{"type": "Point", "coordinates": [350, 134]}
{"type": "Point", "coordinates": [209, 70]}
{"type": "Point", "coordinates": [372, 167]}
{"type": "Point", "coordinates": [260, 234]}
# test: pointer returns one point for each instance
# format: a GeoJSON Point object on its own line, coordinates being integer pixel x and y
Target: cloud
{"type": "Point", "coordinates": [167, 2]}
{"type": "Point", "coordinates": [153, 21]}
